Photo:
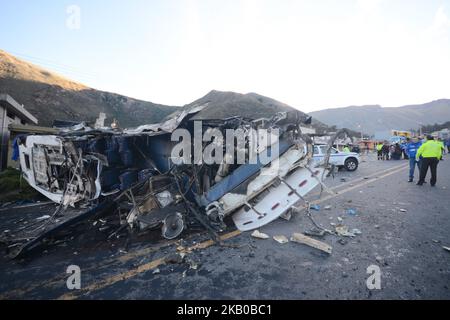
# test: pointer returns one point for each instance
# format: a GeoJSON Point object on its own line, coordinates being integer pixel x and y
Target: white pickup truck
{"type": "Point", "coordinates": [347, 160]}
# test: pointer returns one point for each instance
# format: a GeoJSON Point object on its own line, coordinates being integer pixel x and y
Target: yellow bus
{"type": "Point", "coordinates": [400, 133]}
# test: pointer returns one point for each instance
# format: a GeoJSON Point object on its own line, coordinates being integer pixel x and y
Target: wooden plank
{"type": "Point", "coordinates": [301, 238]}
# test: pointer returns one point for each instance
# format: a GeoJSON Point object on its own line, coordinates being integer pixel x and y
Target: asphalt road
{"type": "Point", "coordinates": [403, 230]}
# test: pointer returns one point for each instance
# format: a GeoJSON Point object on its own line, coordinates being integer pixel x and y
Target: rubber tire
{"type": "Point", "coordinates": [350, 161]}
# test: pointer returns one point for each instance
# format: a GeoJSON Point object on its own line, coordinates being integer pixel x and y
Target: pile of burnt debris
{"type": "Point", "coordinates": [150, 181]}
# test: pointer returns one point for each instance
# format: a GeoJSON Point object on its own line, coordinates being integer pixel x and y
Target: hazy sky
{"type": "Point", "coordinates": [311, 54]}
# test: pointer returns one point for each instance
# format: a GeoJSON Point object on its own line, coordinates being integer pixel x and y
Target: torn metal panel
{"type": "Point", "coordinates": [276, 200]}
{"type": "Point", "coordinates": [277, 169]}
{"type": "Point", "coordinates": [240, 175]}
{"type": "Point", "coordinates": [168, 126]}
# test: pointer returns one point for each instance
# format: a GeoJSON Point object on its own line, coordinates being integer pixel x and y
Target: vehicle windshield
{"type": "Point", "coordinates": [323, 150]}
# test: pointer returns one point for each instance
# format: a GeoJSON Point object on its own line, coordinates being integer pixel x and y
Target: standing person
{"type": "Point", "coordinates": [403, 145]}
{"type": "Point", "coordinates": [431, 152]}
{"type": "Point", "coordinates": [396, 152]}
{"type": "Point", "coordinates": [441, 142]}
{"type": "Point", "coordinates": [380, 151]}
{"type": "Point", "coordinates": [391, 152]}
{"type": "Point", "coordinates": [385, 151]}
{"type": "Point", "coordinates": [411, 148]}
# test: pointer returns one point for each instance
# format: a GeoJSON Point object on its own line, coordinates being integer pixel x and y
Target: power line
{"type": "Point", "coordinates": [60, 68]}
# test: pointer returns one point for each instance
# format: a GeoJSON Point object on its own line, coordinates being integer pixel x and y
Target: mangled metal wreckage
{"type": "Point", "coordinates": [132, 173]}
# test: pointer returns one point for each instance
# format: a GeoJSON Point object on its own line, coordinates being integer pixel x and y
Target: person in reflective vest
{"type": "Point", "coordinates": [380, 151]}
{"type": "Point", "coordinates": [431, 152]}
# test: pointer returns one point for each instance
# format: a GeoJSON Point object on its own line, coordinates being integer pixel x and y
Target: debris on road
{"type": "Point", "coordinates": [301, 238]}
{"type": "Point", "coordinates": [174, 259]}
{"type": "Point", "coordinates": [327, 208]}
{"type": "Point", "coordinates": [315, 232]}
{"type": "Point", "coordinates": [403, 210]}
{"type": "Point", "coordinates": [193, 265]}
{"type": "Point", "coordinates": [446, 248]}
{"type": "Point", "coordinates": [156, 271]}
{"type": "Point", "coordinates": [287, 215]}
{"type": "Point", "coordinates": [45, 217]}
{"type": "Point", "coordinates": [260, 235]}
{"type": "Point", "coordinates": [351, 212]}
{"type": "Point", "coordinates": [281, 239]}
{"type": "Point", "coordinates": [315, 207]}
{"type": "Point", "coordinates": [342, 230]}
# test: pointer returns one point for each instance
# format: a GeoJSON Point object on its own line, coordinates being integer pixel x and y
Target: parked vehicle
{"type": "Point", "coordinates": [347, 160]}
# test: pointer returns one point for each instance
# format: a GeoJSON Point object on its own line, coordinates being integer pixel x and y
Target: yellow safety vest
{"type": "Point", "coordinates": [379, 147]}
{"type": "Point", "coordinates": [430, 149]}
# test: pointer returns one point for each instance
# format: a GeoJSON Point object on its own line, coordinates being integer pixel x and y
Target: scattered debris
{"type": "Point", "coordinates": [342, 230]}
{"type": "Point", "coordinates": [287, 215]}
{"type": "Point", "coordinates": [260, 235]}
{"type": "Point", "coordinates": [403, 210]}
{"type": "Point", "coordinates": [131, 174]}
{"type": "Point", "coordinates": [381, 260]}
{"type": "Point", "coordinates": [351, 212]}
{"type": "Point", "coordinates": [446, 248]}
{"type": "Point", "coordinates": [340, 219]}
{"type": "Point", "coordinates": [343, 241]}
{"type": "Point", "coordinates": [281, 239]}
{"type": "Point", "coordinates": [300, 238]}
{"type": "Point", "coordinates": [156, 271]}
{"type": "Point", "coordinates": [315, 232]}
{"type": "Point", "coordinates": [356, 231]}
{"type": "Point", "coordinates": [46, 217]}
{"type": "Point", "coordinates": [192, 264]}
{"type": "Point", "coordinates": [327, 208]}
{"type": "Point", "coordinates": [174, 259]}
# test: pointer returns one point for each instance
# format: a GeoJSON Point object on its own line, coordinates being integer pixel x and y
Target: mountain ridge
{"type": "Point", "coordinates": [379, 121]}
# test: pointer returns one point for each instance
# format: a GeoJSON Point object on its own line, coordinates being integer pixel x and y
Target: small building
{"type": "Point", "coordinates": [11, 113]}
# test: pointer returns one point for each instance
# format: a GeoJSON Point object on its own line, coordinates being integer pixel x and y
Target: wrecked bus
{"type": "Point", "coordinates": [137, 175]}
